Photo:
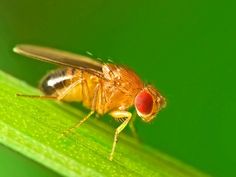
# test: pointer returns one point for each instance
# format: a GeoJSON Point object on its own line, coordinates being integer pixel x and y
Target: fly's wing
{"type": "Point", "coordinates": [59, 57]}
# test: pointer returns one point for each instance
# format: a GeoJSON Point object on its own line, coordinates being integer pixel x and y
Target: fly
{"type": "Point", "coordinates": [103, 88]}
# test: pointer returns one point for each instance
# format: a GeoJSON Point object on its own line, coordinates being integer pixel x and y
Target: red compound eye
{"type": "Point", "coordinates": [144, 102]}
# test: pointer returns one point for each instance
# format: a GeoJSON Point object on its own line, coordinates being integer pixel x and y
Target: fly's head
{"type": "Point", "coordinates": [148, 102]}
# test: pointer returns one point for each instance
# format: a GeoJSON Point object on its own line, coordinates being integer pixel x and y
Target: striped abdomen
{"type": "Point", "coordinates": [58, 82]}
{"type": "Point", "coordinates": [55, 81]}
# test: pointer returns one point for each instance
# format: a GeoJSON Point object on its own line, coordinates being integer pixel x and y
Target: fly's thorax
{"type": "Point", "coordinates": [120, 86]}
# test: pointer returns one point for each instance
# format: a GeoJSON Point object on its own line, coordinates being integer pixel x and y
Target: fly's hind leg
{"type": "Point", "coordinates": [72, 129]}
{"type": "Point", "coordinates": [60, 97]}
{"type": "Point", "coordinates": [37, 96]}
{"type": "Point", "coordinates": [119, 115]}
{"type": "Point", "coordinates": [86, 99]}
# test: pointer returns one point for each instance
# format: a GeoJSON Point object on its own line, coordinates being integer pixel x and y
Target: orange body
{"type": "Point", "coordinates": [101, 87]}
{"type": "Point", "coordinates": [117, 90]}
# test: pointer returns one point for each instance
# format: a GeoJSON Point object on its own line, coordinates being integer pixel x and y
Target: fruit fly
{"type": "Point", "coordinates": [104, 88]}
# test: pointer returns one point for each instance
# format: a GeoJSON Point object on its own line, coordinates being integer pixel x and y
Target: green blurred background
{"type": "Point", "coordinates": [186, 48]}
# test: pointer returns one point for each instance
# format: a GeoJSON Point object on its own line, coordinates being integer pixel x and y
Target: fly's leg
{"type": "Point", "coordinates": [132, 127]}
{"type": "Point", "coordinates": [85, 96]}
{"type": "Point", "coordinates": [119, 115]}
{"type": "Point", "coordinates": [60, 97]}
{"type": "Point", "coordinates": [71, 129]}
{"type": "Point", "coordinates": [79, 81]}
{"type": "Point", "coordinates": [97, 99]}
{"type": "Point", "coordinates": [37, 96]}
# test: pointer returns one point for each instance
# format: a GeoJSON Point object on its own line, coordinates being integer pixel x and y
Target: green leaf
{"type": "Point", "coordinates": [32, 127]}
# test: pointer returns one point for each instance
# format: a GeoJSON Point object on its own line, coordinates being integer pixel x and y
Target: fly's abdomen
{"type": "Point", "coordinates": [70, 85]}
{"type": "Point", "coordinates": [56, 81]}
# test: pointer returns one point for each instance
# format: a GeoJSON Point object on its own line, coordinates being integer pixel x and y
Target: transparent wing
{"type": "Point", "coordinates": [59, 57]}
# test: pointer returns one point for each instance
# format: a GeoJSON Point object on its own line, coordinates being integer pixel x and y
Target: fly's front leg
{"type": "Point", "coordinates": [132, 127]}
{"type": "Point", "coordinates": [119, 115]}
